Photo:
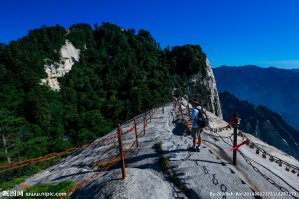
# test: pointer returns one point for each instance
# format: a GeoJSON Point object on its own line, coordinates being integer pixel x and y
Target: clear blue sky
{"type": "Point", "coordinates": [231, 32]}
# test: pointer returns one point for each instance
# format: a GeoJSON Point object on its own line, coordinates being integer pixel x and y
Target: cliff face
{"type": "Point", "coordinates": [69, 54]}
{"type": "Point", "coordinates": [203, 88]}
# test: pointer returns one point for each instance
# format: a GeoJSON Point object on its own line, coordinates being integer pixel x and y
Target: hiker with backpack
{"type": "Point", "coordinates": [199, 121]}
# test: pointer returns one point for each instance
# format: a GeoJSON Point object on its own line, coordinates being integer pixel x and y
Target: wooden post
{"type": "Point", "coordinates": [235, 144]}
{"type": "Point", "coordinates": [150, 113]}
{"type": "Point", "coordinates": [143, 124]}
{"type": "Point", "coordinates": [145, 119]}
{"type": "Point", "coordinates": [136, 133]}
{"type": "Point", "coordinates": [163, 109]}
{"type": "Point", "coordinates": [121, 154]}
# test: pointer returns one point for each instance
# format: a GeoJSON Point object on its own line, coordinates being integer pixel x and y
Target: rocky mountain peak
{"type": "Point", "coordinates": [202, 87]}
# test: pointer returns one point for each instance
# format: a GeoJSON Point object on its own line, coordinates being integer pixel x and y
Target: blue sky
{"type": "Point", "coordinates": [231, 32]}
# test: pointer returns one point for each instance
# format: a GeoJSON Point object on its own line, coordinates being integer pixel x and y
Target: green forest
{"type": "Point", "coordinates": [120, 74]}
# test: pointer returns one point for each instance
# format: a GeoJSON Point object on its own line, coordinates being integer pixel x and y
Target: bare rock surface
{"type": "Point", "coordinates": [205, 174]}
{"type": "Point", "coordinates": [202, 87]}
{"type": "Point", "coordinates": [140, 183]}
{"type": "Point", "coordinates": [69, 55]}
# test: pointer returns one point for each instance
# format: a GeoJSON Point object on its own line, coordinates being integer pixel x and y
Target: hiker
{"type": "Point", "coordinates": [196, 129]}
{"type": "Point", "coordinates": [234, 121]}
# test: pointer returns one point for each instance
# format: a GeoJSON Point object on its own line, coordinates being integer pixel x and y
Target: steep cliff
{"type": "Point", "coordinates": [202, 87]}
{"type": "Point", "coordinates": [69, 54]}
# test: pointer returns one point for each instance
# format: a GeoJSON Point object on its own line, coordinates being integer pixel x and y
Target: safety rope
{"type": "Point", "coordinates": [104, 140]}
{"type": "Point", "coordinates": [112, 162]}
{"type": "Point", "coordinates": [251, 145]}
{"type": "Point", "coordinates": [16, 165]}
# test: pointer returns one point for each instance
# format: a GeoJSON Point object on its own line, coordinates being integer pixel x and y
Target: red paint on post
{"type": "Point", "coordinates": [121, 154]}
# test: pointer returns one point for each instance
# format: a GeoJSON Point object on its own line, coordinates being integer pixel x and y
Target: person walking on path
{"type": "Point", "coordinates": [196, 130]}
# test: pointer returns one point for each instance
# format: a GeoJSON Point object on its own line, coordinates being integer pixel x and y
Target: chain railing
{"type": "Point", "coordinates": [131, 127]}
{"type": "Point", "coordinates": [270, 180]}
{"type": "Point", "coordinates": [228, 140]}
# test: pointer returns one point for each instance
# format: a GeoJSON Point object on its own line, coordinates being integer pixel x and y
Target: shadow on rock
{"type": "Point", "coordinates": [181, 127]}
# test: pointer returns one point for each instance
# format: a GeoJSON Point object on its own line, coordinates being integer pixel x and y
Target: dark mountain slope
{"type": "Point", "coordinates": [262, 123]}
{"type": "Point", "coordinates": [277, 89]}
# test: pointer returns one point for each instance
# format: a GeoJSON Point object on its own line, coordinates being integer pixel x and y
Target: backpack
{"type": "Point", "coordinates": [202, 118]}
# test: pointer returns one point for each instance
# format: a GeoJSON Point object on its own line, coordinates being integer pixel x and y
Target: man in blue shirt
{"type": "Point", "coordinates": [196, 130]}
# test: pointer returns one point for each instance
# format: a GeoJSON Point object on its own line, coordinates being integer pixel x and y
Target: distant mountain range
{"type": "Point", "coordinates": [262, 123]}
{"type": "Point", "coordinates": [277, 89]}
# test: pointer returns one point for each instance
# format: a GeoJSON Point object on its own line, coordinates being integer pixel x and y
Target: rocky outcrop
{"type": "Point", "coordinates": [202, 87]}
{"type": "Point", "coordinates": [69, 55]}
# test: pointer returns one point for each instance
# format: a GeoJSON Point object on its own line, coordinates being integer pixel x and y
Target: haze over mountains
{"type": "Point", "coordinates": [262, 123]}
{"type": "Point", "coordinates": [277, 89]}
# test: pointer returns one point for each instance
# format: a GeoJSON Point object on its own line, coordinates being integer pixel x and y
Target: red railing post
{"type": "Point", "coordinates": [136, 133]}
{"type": "Point", "coordinates": [121, 154]}
{"type": "Point", "coordinates": [145, 119]}
{"type": "Point", "coordinates": [143, 124]}
{"type": "Point", "coordinates": [235, 144]}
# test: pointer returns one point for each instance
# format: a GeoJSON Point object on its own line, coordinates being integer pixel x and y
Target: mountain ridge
{"type": "Point", "coordinates": [262, 123]}
{"type": "Point", "coordinates": [198, 174]}
{"type": "Point", "coordinates": [63, 88]}
{"type": "Point", "coordinates": [277, 89]}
